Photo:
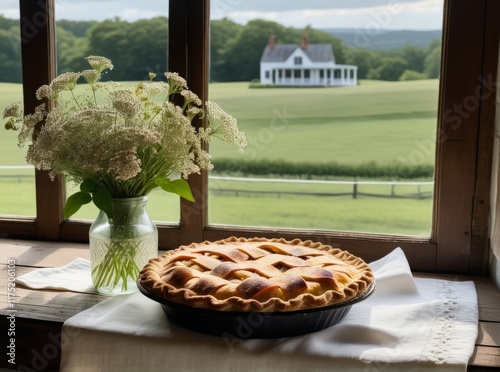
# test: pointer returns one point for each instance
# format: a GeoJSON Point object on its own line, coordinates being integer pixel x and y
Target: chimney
{"type": "Point", "coordinates": [272, 41]}
{"type": "Point", "coordinates": [304, 41]}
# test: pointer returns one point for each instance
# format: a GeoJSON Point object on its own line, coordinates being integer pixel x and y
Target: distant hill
{"type": "Point", "coordinates": [385, 39]}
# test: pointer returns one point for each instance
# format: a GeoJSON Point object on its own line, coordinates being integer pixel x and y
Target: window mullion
{"type": "Point", "coordinates": [39, 68]}
{"type": "Point", "coordinates": [482, 201]}
{"type": "Point", "coordinates": [188, 55]}
{"type": "Point", "coordinates": [457, 135]}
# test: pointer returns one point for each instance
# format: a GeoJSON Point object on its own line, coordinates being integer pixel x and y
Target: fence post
{"type": "Point", "coordinates": [355, 189]}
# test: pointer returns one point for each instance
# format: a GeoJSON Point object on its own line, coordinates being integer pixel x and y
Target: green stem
{"type": "Point", "coordinates": [76, 101]}
{"type": "Point", "coordinates": [118, 264]}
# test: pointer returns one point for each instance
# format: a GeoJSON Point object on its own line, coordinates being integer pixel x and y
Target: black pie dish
{"type": "Point", "coordinates": [250, 325]}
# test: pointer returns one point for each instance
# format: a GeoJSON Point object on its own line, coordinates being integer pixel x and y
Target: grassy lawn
{"type": "Point", "coordinates": [375, 215]}
{"type": "Point", "coordinates": [377, 121]}
{"type": "Point", "coordinates": [382, 122]}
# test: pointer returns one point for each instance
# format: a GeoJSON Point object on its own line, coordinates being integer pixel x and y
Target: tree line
{"type": "Point", "coordinates": [308, 170]}
{"type": "Point", "coordinates": [140, 47]}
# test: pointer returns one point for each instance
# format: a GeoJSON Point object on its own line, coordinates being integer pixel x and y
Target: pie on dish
{"type": "Point", "coordinates": [258, 274]}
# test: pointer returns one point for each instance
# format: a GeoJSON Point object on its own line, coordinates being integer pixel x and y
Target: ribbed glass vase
{"type": "Point", "coordinates": [122, 245]}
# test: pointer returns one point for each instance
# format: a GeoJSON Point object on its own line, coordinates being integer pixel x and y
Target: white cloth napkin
{"type": "Point", "coordinates": [407, 324]}
{"type": "Point", "coordinates": [74, 277]}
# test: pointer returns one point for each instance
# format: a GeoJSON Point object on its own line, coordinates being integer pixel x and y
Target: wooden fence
{"type": "Point", "coordinates": [355, 191]}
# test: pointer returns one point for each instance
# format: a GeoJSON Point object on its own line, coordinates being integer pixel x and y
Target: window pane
{"type": "Point", "coordinates": [135, 37]}
{"type": "Point", "coordinates": [17, 182]}
{"type": "Point", "coordinates": [343, 141]}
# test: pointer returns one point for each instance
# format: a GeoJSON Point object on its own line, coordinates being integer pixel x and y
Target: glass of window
{"type": "Point", "coordinates": [17, 181]}
{"type": "Point", "coordinates": [339, 106]}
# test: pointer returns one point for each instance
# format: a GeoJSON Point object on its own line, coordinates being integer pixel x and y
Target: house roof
{"type": "Point", "coordinates": [315, 52]}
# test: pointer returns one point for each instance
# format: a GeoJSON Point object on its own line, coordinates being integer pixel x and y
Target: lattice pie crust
{"type": "Point", "coordinates": [266, 275]}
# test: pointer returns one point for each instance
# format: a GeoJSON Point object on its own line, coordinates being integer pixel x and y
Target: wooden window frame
{"type": "Point", "coordinates": [459, 239]}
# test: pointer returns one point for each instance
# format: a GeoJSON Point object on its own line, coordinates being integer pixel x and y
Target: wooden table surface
{"type": "Point", "coordinates": [39, 314]}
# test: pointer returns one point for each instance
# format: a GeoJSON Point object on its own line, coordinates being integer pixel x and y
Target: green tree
{"type": "Point", "coordinates": [10, 56]}
{"type": "Point", "coordinates": [71, 50]}
{"type": "Point", "coordinates": [242, 62]}
{"type": "Point", "coordinates": [364, 59]}
{"type": "Point", "coordinates": [390, 69]}
{"type": "Point", "coordinates": [140, 47]}
{"type": "Point", "coordinates": [433, 60]}
{"type": "Point", "coordinates": [320, 37]}
{"type": "Point", "coordinates": [7, 23]}
{"type": "Point", "coordinates": [77, 28]}
{"type": "Point", "coordinates": [147, 48]}
{"type": "Point", "coordinates": [110, 39]}
{"type": "Point", "coordinates": [223, 36]}
{"type": "Point", "coordinates": [135, 48]}
{"type": "Point", "coordinates": [414, 57]}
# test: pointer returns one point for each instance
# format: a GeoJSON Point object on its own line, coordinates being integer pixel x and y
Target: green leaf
{"type": "Point", "coordinates": [75, 201]}
{"type": "Point", "coordinates": [179, 187]}
{"type": "Point", "coordinates": [90, 185]}
{"type": "Point", "coordinates": [102, 200]}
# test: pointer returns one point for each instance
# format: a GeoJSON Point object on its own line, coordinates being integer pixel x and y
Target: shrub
{"type": "Point", "coordinates": [326, 170]}
{"type": "Point", "coordinates": [412, 75]}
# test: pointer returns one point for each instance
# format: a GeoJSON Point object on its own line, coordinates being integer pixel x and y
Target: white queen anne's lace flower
{"type": "Point", "coordinates": [123, 139]}
{"type": "Point", "coordinates": [126, 102]}
{"type": "Point", "coordinates": [43, 92]}
{"type": "Point", "coordinates": [11, 110]}
{"type": "Point", "coordinates": [175, 79]}
{"type": "Point", "coordinates": [125, 164]}
{"type": "Point", "coordinates": [63, 82]}
{"type": "Point", "coordinates": [190, 97]}
{"type": "Point", "coordinates": [224, 126]}
{"type": "Point", "coordinates": [99, 63]}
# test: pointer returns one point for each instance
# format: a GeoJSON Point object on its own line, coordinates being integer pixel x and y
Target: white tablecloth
{"type": "Point", "coordinates": [407, 324]}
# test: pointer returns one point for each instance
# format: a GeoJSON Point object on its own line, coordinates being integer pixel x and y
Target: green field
{"type": "Point", "coordinates": [382, 122]}
{"type": "Point", "coordinates": [376, 121]}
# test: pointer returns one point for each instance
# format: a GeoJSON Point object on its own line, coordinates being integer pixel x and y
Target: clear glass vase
{"type": "Point", "coordinates": [121, 246]}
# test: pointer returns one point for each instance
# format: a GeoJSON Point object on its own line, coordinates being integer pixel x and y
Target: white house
{"type": "Point", "coordinates": [304, 65]}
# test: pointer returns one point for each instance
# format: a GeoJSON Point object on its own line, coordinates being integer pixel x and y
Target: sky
{"type": "Point", "coordinates": [368, 15]}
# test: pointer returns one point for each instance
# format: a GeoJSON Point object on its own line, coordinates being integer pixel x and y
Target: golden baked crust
{"type": "Point", "coordinates": [266, 275]}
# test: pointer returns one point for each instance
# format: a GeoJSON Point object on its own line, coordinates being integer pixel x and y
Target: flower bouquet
{"type": "Point", "coordinates": [118, 142]}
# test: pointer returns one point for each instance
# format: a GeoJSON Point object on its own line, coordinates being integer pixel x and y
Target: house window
{"type": "Point", "coordinates": [268, 74]}
{"type": "Point", "coordinates": [297, 60]}
{"type": "Point", "coordinates": [457, 240]}
{"type": "Point", "coordinates": [307, 74]}
{"type": "Point", "coordinates": [297, 74]}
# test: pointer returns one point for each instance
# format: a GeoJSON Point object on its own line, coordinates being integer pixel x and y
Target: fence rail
{"type": "Point", "coordinates": [274, 180]}
{"type": "Point", "coordinates": [355, 193]}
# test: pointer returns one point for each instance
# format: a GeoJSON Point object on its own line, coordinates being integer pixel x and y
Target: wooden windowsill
{"type": "Point", "coordinates": [40, 313]}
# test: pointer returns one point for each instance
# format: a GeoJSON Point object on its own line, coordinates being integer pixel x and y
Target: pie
{"type": "Point", "coordinates": [258, 274]}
